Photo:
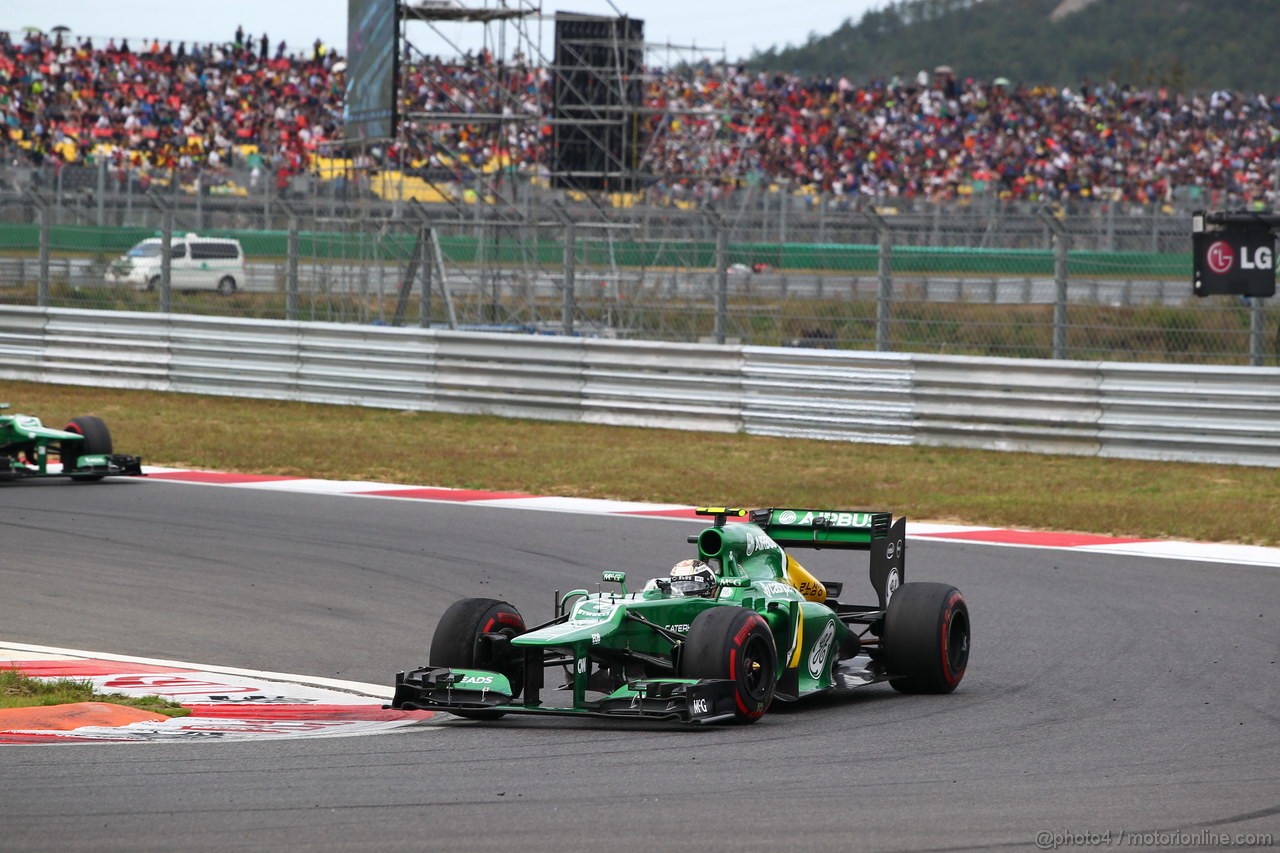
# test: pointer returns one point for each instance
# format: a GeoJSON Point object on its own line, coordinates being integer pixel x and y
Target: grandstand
{"type": "Point", "coordinates": [243, 118]}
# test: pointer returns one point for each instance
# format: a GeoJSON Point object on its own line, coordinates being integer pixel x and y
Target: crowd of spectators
{"type": "Point", "coordinates": [508, 99]}
{"type": "Point", "coordinates": [717, 129]}
{"type": "Point", "coordinates": [161, 107]}
{"type": "Point", "coordinates": [938, 137]}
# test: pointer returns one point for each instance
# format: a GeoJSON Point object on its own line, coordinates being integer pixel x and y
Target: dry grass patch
{"type": "Point", "coordinates": [1108, 496]}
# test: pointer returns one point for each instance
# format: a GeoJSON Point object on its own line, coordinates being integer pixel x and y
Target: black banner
{"type": "Point", "coordinates": [1238, 260]}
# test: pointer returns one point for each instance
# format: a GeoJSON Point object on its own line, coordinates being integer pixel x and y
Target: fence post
{"type": "Point", "coordinates": [722, 273]}
{"type": "Point", "coordinates": [1257, 332]}
{"type": "Point", "coordinates": [1061, 246]}
{"type": "Point", "coordinates": [569, 267]}
{"type": "Point", "coordinates": [166, 249]}
{"type": "Point", "coordinates": [57, 194]}
{"type": "Point", "coordinates": [166, 261]}
{"type": "Point", "coordinates": [102, 191]}
{"type": "Point", "coordinates": [569, 307]}
{"type": "Point", "coordinates": [1111, 223]}
{"type": "Point", "coordinates": [884, 267]}
{"type": "Point", "coordinates": [199, 199]}
{"type": "Point", "coordinates": [427, 265]}
{"type": "Point", "coordinates": [46, 228]}
{"type": "Point", "coordinates": [784, 202]}
{"type": "Point", "coordinates": [291, 270]}
{"type": "Point", "coordinates": [267, 178]}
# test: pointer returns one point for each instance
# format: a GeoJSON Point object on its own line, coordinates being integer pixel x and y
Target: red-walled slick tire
{"type": "Point", "coordinates": [736, 644]}
{"type": "Point", "coordinates": [459, 643]}
{"type": "Point", "coordinates": [97, 441]}
{"type": "Point", "coordinates": [926, 638]}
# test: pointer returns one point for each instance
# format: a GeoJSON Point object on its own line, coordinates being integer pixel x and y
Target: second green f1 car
{"type": "Point", "coordinates": [717, 639]}
{"type": "Point", "coordinates": [83, 447]}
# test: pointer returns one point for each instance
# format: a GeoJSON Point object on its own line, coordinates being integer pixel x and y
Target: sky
{"type": "Point", "coordinates": [736, 26]}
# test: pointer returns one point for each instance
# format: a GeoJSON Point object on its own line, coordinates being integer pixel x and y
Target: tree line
{"type": "Point", "coordinates": [1186, 45]}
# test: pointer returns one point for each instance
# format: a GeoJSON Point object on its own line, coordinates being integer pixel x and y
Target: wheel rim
{"type": "Point", "coordinates": [958, 642]}
{"type": "Point", "coordinates": [486, 660]}
{"type": "Point", "coordinates": [511, 665]}
{"type": "Point", "coordinates": [756, 667]}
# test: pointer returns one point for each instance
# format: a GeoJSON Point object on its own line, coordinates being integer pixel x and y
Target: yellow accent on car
{"type": "Point", "coordinates": [809, 586]}
{"type": "Point", "coordinates": [795, 654]}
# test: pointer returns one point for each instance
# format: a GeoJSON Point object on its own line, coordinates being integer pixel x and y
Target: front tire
{"type": "Point", "coordinates": [458, 643]}
{"type": "Point", "coordinates": [97, 441]}
{"type": "Point", "coordinates": [926, 638]}
{"type": "Point", "coordinates": [736, 644]}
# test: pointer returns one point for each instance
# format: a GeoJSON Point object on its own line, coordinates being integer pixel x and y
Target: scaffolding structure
{"type": "Point", "coordinates": [477, 146]}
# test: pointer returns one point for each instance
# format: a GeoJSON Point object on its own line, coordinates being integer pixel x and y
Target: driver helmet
{"type": "Point", "coordinates": [694, 578]}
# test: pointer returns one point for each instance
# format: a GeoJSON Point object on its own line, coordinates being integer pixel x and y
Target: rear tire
{"type": "Point", "coordinates": [97, 441]}
{"type": "Point", "coordinates": [736, 644]}
{"type": "Point", "coordinates": [226, 285]}
{"type": "Point", "coordinates": [926, 638]}
{"type": "Point", "coordinates": [458, 643]}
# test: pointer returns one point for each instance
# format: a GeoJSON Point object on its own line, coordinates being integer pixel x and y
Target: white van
{"type": "Point", "coordinates": [195, 263]}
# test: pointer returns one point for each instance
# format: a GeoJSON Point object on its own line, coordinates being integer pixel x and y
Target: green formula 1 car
{"type": "Point", "coordinates": [83, 447]}
{"type": "Point", "coordinates": [717, 639]}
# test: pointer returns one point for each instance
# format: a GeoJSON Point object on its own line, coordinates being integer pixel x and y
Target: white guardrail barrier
{"type": "Point", "coordinates": [1197, 413]}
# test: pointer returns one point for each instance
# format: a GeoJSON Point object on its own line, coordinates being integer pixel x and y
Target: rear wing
{"type": "Point", "coordinates": [823, 528]}
{"type": "Point", "coordinates": [853, 530]}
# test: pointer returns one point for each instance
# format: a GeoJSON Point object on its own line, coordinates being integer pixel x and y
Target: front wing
{"type": "Point", "coordinates": [105, 465]}
{"type": "Point", "coordinates": [685, 700]}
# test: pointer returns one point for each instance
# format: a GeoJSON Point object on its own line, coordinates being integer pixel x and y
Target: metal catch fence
{"type": "Point", "coordinates": [1095, 283]}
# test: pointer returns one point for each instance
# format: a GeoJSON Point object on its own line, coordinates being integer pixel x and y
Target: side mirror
{"type": "Point", "coordinates": [620, 578]}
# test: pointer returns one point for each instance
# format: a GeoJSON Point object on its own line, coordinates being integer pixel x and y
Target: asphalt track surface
{"type": "Point", "coordinates": [1104, 693]}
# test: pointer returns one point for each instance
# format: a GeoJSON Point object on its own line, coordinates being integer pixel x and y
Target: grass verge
{"type": "Point", "coordinates": [1161, 500]}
